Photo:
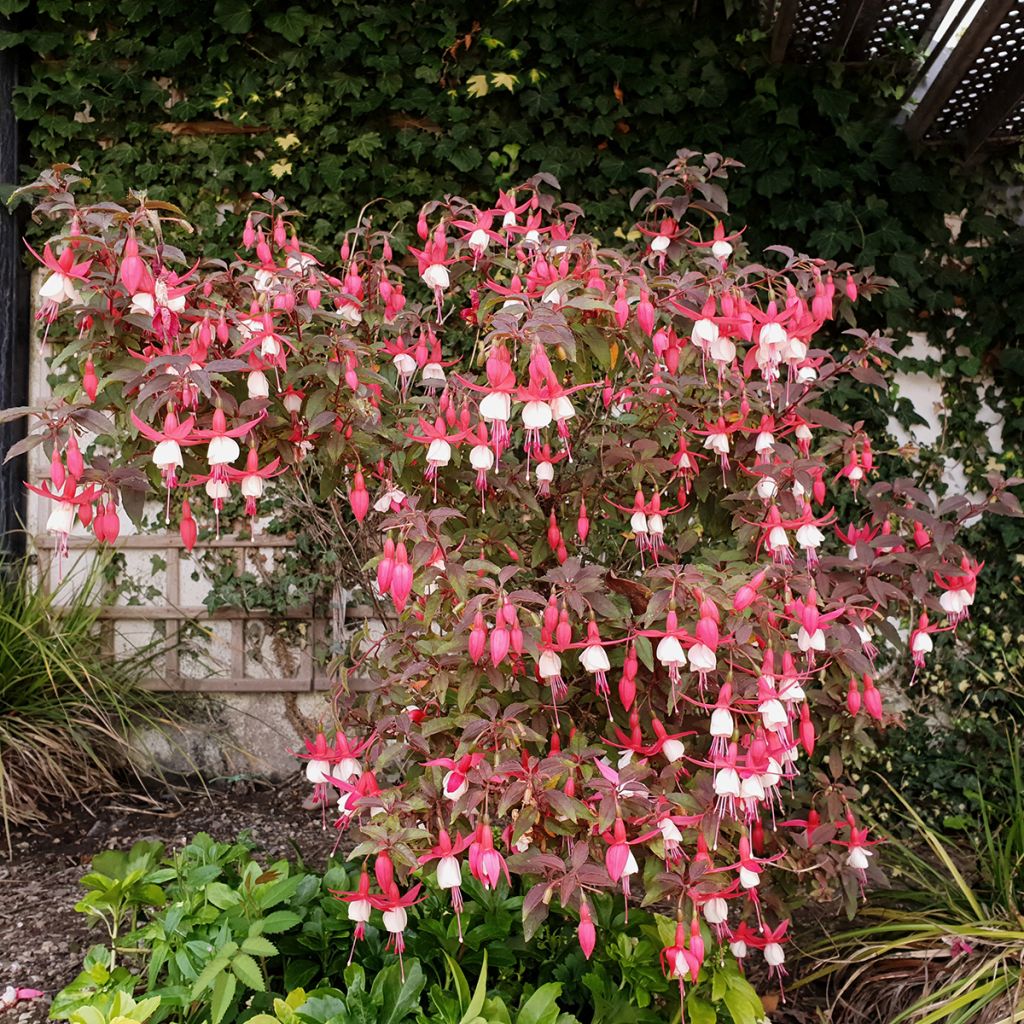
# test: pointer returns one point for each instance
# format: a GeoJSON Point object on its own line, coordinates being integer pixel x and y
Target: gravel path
{"type": "Point", "coordinates": [43, 940]}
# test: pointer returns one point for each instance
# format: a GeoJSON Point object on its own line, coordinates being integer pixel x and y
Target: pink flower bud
{"type": "Point", "coordinates": [359, 497]}
{"type": "Point", "coordinates": [586, 932]}
{"type": "Point", "coordinates": [853, 698]}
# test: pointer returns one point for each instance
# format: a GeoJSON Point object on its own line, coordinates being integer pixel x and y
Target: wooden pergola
{"type": "Point", "coordinates": [967, 91]}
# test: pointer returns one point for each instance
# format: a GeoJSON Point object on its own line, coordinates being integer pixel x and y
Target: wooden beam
{"type": "Point", "coordinates": [1005, 96]}
{"type": "Point", "coordinates": [785, 20]}
{"type": "Point", "coordinates": [951, 74]}
{"type": "Point", "coordinates": [934, 47]}
{"type": "Point", "coordinates": [14, 314]}
{"type": "Point", "coordinates": [856, 24]}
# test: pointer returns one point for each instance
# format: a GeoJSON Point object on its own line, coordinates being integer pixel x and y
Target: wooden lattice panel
{"type": "Point", "coordinates": [227, 650]}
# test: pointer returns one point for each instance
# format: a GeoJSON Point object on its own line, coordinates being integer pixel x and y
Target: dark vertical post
{"type": "Point", "coordinates": [14, 317]}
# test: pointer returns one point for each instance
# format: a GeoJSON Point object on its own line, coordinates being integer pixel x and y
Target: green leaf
{"type": "Point", "coordinates": [398, 998]}
{"type": "Point", "coordinates": [645, 652]}
{"type": "Point", "coordinates": [280, 921]}
{"type": "Point", "coordinates": [248, 972]}
{"type": "Point", "coordinates": [292, 25]}
{"type": "Point", "coordinates": [479, 994]}
{"type": "Point", "coordinates": [459, 979]}
{"type": "Point", "coordinates": [742, 1001]}
{"type": "Point", "coordinates": [223, 993]}
{"type": "Point", "coordinates": [542, 1006]}
{"type": "Point", "coordinates": [259, 946]}
{"type": "Point", "coordinates": [208, 974]}
{"type": "Point", "coordinates": [233, 16]}
{"type": "Point", "coordinates": [699, 1011]}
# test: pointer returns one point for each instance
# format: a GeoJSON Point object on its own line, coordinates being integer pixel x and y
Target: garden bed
{"type": "Point", "coordinates": [44, 939]}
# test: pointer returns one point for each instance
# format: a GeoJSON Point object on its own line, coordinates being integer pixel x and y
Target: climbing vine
{"type": "Point", "coordinates": [341, 104]}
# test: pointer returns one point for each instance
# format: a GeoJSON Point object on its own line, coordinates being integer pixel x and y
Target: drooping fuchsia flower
{"type": "Point", "coordinates": [720, 243]}
{"type": "Point", "coordinates": [661, 239]}
{"type": "Point", "coordinates": [717, 437]}
{"type": "Point", "coordinates": [393, 905]}
{"type": "Point", "coordinates": [485, 863]}
{"type": "Point", "coordinates": [456, 781]}
{"type": "Point", "coordinates": [359, 908]}
{"type": "Point", "coordinates": [958, 590]}
{"type": "Point", "coordinates": [167, 455]}
{"type": "Point", "coordinates": [668, 744]}
{"type": "Point", "coordinates": [544, 470]}
{"type": "Point", "coordinates": [509, 210]}
{"type": "Point", "coordinates": [594, 659]}
{"type": "Point", "coordinates": [549, 668]}
{"type": "Point", "coordinates": [326, 761]}
{"type": "Point", "coordinates": [252, 478]}
{"type": "Point", "coordinates": [855, 535]}
{"type": "Point", "coordinates": [774, 953]}
{"type": "Point", "coordinates": [686, 463]}
{"type": "Point", "coordinates": [767, 354]}
{"type": "Point", "coordinates": [810, 636]}
{"type": "Point", "coordinates": [632, 744]}
{"type": "Point", "coordinates": [496, 405]}
{"type": "Point", "coordinates": [618, 859]}
{"type": "Point", "coordinates": [744, 938]}
{"type": "Point", "coordinates": [433, 263]}
{"type": "Point", "coordinates": [670, 651]}
{"type": "Point", "coordinates": [921, 640]}
{"type": "Point", "coordinates": [714, 334]}
{"type": "Point", "coordinates": [439, 444]}
{"type": "Point", "coordinates": [69, 501]}
{"type": "Point", "coordinates": [680, 962]}
{"type": "Point", "coordinates": [478, 233]}
{"type": "Point", "coordinates": [532, 228]}
{"type": "Point", "coordinates": [222, 448]}
{"type": "Point", "coordinates": [63, 282]}
{"type": "Point", "coordinates": [354, 796]}
{"type": "Point", "coordinates": [449, 872]}
{"type": "Point", "coordinates": [166, 299]}
{"type": "Point", "coordinates": [858, 847]}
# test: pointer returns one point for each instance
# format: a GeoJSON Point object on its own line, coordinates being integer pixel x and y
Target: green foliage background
{"type": "Point", "coordinates": [339, 104]}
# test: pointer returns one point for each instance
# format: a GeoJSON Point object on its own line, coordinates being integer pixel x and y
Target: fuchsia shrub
{"type": "Point", "coordinates": [598, 490]}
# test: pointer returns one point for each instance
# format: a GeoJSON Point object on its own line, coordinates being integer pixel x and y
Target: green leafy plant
{"type": "Point", "coordinates": [220, 938]}
{"type": "Point", "coordinates": [122, 1009]}
{"type": "Point", "coordinates": [119, 884]}
{"type": "Point", "coordinates": [68, 706]}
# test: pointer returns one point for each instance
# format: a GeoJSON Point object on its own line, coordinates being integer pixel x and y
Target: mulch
{"type": "Point", "coordinates": [43, 939]}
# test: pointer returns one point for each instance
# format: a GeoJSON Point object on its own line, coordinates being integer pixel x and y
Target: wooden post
{"type": "Point", "coordinates": [14, 316]}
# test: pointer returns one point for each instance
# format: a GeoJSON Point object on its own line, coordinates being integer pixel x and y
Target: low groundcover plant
{"type": "Point", "coordinates": [636, 563]}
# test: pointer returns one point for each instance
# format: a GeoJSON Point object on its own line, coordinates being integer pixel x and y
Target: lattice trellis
{"type": "Point", "coordinates": [851, 29]}
{"type": "Point", "coordinates": [231, 649]}
{"type": "Point", "coordinates": [1003, 51]}
{"type": "Point", "coordinates": [969, 88]}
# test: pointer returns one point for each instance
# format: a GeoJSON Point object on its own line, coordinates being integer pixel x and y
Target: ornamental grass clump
{"type": "Point", "coordinates": [636, 560]}
{"type": "Point", "coordinates": [68, 708]}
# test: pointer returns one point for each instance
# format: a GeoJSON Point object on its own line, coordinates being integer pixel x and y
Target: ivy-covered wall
{"type": "Point", "coordinates": [337, 104]}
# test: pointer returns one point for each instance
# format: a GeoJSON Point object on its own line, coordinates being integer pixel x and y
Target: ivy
{"type": "Point", "coordinates": [338, 104]}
